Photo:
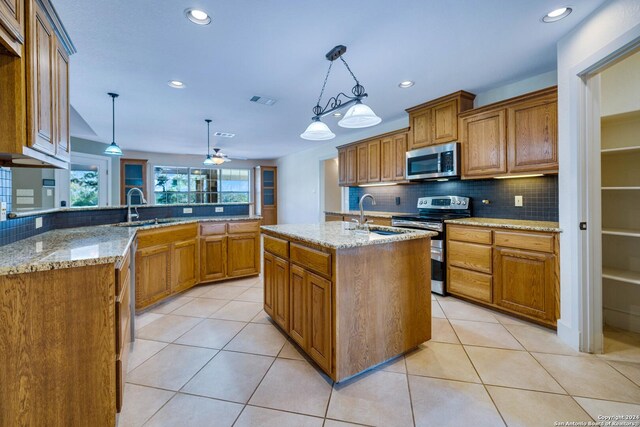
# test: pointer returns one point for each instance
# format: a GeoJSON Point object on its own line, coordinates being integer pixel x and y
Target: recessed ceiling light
{"type": "Point", "coordinates": [337, 114]}
{"type": "Point", "coordinates": [176, 84]}
{"type": "Point", "coordinates": [405, 84]}
{"type": "Point", "coordinates": [198, 16]}
{"type": "Point", "coordinates": [556, 15]}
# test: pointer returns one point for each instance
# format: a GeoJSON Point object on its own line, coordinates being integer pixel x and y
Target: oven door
{"type": "Point", "coordinates": [437, 161]}
{"type": "Point", "coordinates": [437, 267]}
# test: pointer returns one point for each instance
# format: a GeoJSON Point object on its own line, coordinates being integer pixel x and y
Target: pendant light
{"type": "Point", "coordinates": [208, 161]}
{"type": "Point", "coordinates": [218, 157]}
{"type": "Point", "coordinates": [113, 149]}
{"type": "Point", "coordinates": [359, 115]}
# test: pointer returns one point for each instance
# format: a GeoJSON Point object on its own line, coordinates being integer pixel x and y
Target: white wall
{"type": "Point", "coordinates": [299, 173]}
{"type": "Point", "coordinates": [332, 192]}
{"type": "Point", "coordinates": [584, 44]}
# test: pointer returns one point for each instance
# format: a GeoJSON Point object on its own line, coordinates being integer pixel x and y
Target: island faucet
{"type": "Point", "coordinates": [130, 215]}
{"type": "Point", "coordinates": [373, 202]}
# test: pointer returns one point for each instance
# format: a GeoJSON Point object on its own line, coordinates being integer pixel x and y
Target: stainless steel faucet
{"type": "Point", "coordinates": [130, 215]}
{"type": "Point", "coordinates": [373, 202]}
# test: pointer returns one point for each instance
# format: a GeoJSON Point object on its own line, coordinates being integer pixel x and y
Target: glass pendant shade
{"type": "Point", "coordinates": [359, 116]}
{"type": "Point", "coordinates": [218, 160]}
{"type": "Point", "coordinates": [208, 161]}
{"type": "Point", "coordinates": [317, 131]}
{"type": "Point", "coordinates": [113, 150]}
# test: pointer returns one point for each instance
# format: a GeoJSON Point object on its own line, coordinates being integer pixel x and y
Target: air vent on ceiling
{"type": "Point", "coordinates": [263, 100]}
{"type": "Point", "coordinates": [224, 134]}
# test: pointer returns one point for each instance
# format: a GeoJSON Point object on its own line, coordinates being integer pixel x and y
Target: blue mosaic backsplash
{"type": "Point", "coordinates": [540, 197]}
{"type": "Point", "coordinates": [17, 229]}
{"type": "Point", "coordinates": [5, 187]}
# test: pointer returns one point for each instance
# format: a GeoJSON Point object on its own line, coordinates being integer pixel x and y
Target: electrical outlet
{"type": "Point", "coordinates": [397, 201]}
{"type": "Point", "coordinates": [518, 201]}
{"type": "Point", "coordinates": [219, 209]}
{"type": "Point", "coordinates": [187, 210]}
{"type": "Point", "coordinates": [38, 222]}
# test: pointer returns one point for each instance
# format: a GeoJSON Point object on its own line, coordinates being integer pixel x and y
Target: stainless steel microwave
{"type": "Point", "coordinates": [437, 161]}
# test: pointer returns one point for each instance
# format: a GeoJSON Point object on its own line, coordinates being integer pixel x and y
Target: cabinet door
{"type": "Point", "coordinates": [524, 282]}
{"type": "Point", "coordinates": [62, 140]}
{"type": "Point", "coordinates": [133, 174]}
{"type": "Point", "coordinates": [184, 265]}
{"type": "Point", "coordinates": [422, 129]}
{"type": "Point", "coordinates": [533, 136]}
{"type": "Point", "coordinates": [281, 292]}
{"type": "Point", "coordinates": [213, 258]}
{"type": "Point", "coordinates": [484, 144]}
{"type": "Point", "coordinates": [352, 166]}
{"type": "Point", "coordinates": [153, 276]}
{"type": "Point", "coordinates": [41, 97]}
{"type": "Point", "coordinates": [243, 255]}
{"type": "Point", "coordinates": [363, 164]}
{"type": "Point", "coordinates": [342, 166]}
{"type": "Point", "coordinates": [400, 147]}
{"type": "Point", "coordinates": [319, 312]}
{"type": "Point", "coordinates": [12, 25]}
{"type": "Point", "coordinates": [298, 306]}
{"type": "Point", "coordinates": [269, 288]}
{"type": "Point", "coordinates": [445, 122]}
{"type": "Point", "coordinates": [374, 161]}
{"type": "Point", "coordinates": [387, 159]}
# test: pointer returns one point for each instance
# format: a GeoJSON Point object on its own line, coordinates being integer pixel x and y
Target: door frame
{"type": "Point", "coordinates": [585, 89]}
{"type": "Point", "coordinates": [344, 191]}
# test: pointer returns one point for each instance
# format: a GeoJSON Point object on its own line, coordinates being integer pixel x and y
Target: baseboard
{"type": "Point", "coordinates": [569, 335]}
{"type": "Point", "coordinates": [621, 319]}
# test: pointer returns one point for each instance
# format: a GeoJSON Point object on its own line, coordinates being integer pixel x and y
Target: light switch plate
{"type": "Point", "coordinates": [219, 209]}
{"type": "Point", "coordinates": [38, 222]}
{"type": "Point", "coordinates": [518, 201]}
{"type": "Point", "coordinates": [187, 210]}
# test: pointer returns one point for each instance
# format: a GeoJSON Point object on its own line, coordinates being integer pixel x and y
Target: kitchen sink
{"type": "Point", "coordinates": [149, 222]}
{"type": "Point", "coordinates": [387, 232]}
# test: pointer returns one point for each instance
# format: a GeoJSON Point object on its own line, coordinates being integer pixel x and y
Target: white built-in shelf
{"type": "Point", "coordinates": [621, 149]}
{"type": "Point", "coordinates": [621, 232]}
{"type": "Point", "coordinates": [621, 275]}
{"type": "Point", "coordinates": [620, 188]}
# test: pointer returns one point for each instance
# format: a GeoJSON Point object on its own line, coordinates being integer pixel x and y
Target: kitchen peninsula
{"type": "Point", "coordinates": [350, 299]}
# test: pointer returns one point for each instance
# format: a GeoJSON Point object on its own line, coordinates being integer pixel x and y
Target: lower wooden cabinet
{"type": "Point", "coordinates": [281, 292]}
{"type": "Point", "coordinates": [213, 258]}
{"type": "Point", "coordinates": [243, 255]}
{"type": "Point", "coordinates": [185, 260]}
{"type": "Point", "coordinates": [269, 288]}
{"type": "Point", "coordinates": [511, 270]}
{"type": "Point", "coordinates": [318, 301]}
{"type": "Point", "coordinates": [298, 300]}
{"type": "Point", "coordinates": [153, 276]}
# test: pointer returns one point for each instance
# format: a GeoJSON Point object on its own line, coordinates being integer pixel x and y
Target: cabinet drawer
{"type": "Point", "coordinates": [469, 234]}
{"type": "Point", "coordinates": [122, 273]}
{"type": "Point", "coordinates": [123, 314]}
{"type": "Point", "coordinates": [311, 259]}
{"type": "Point", "coordinates": [122, 361]}
{"type": "Point", "coordinates": [166, 235]}
{"type": "Point", "coordinates": [470, 255]}
{"type": "Point", "coordinates": [212, 228]}
{"type": "Point", "coordinates": [243, 227]}
{"type": "Point", "coordinates": [276, 246]}
{"type": "Point", "coordinates": [522, 240]}
{"type": "Point", "coordinates": [470, 284]}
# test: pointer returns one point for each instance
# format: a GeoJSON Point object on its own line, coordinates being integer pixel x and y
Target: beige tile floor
{"type": "Point", "coordinates": [211, 357]}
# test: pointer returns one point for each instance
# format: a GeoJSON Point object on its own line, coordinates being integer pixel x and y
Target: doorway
{"type": "Point", "coordinates": [612, 135]}
{"type": "Point", "coordinates": [331, 194]}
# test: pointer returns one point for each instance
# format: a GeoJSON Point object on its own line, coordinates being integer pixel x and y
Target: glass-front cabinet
{"type": "Point", "coordinates": [133, 174]}
{"type": "Point", "coordinates": [267, 194]}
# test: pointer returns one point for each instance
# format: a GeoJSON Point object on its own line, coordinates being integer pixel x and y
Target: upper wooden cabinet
{"type": "Point", "coordinates": [512, 137]}
{"type": "Point", "coordinates": [381, 158]}
{"type": "Point", "coordinates": [436, 121]}
{"type": "Point", "coordinates": [133, 174]}
{"type": "Point", "coordinates": [12, 26]}
{"type": "Point", "coordinates": [34, 85]}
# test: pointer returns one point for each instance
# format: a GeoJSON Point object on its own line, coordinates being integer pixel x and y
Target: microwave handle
{"type": "Point", "coordinates": [439, 162]}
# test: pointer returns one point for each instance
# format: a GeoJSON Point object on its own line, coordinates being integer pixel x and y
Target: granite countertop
{"type": "Point", "coordinates": [82, 246]}
{"type": "Point", "coordinates": [336, 235]}
{"type": "Point", "coordinates": [513, 224]}
{"type": "Point", "coordinates": [372, 214]}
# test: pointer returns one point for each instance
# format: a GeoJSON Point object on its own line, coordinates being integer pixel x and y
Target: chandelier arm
{"type": "Point", "coordinates": [335, 103]}
{"type": "Point", "coordinates": [325, 83]}
{"type": "Point", "coordinates": [349, 69]}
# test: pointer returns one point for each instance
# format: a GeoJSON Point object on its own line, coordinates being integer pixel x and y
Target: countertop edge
{"type": "Point", "coordinates": [372, 214]}
{"type": "Point", "coordinates": [490, 223]}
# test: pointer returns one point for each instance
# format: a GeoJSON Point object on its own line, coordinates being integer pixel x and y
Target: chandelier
{"type": "Point", "coordinates": [358, 116]}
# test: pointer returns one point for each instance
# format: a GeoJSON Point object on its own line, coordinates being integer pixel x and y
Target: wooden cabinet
{"type": "Point", "coordinates": [436, 121]}
{"type": "Point", "coordinates": [243, 255]}
{"type": "Point", "coordinates": [362, 168]}
{"type": "Point", "coordinates": [298, 301]}
{"type": "Point", "coordinates": [34, 79]}
{"type": "Point", "coordinates": [268, 285]}
{"type": "Point", "coordinates": [373, 162]}
{"type": "Point", "coordinates": [213, 258]}
{"type": "Point", "coordinates": [512, 137]}
{"type": "Point", "coordinates": [153, 274]}
{"type": "Point", "coordinates": [352, 166]}
{"type": "Point", "coordinates": [515, 271]}
{"type": "Point", "coordinates": [281, 292]}
{"type": "Point", "coordinates": [11, 26]}
{"type": "Point", "coordinates": [393, 151]}
{"type": "Point", "coordinates": [319, 323]}
{"type": "Point", "coordinates": [133, 174]}
{"type": "Point", "coordinates": [184, 259]}
{"type": "Point", "coordinates": [342, 166]}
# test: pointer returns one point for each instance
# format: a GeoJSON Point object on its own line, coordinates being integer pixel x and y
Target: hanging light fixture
{"type": "Point", "coordinates": [208, 160]}
{"type": "Point", "coordinates": [219, 157]}
{"type": "Point", "coordinates": [113, 149]}
{"type": "Point", "coordinates": [358, 116]}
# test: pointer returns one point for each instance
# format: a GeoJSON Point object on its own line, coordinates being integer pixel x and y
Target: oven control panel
{"type": "Point", "coordinates": [443, 202]}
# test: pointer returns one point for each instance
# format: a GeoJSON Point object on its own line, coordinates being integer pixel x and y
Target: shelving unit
{"type": "Point", "coordinates": [621, 275]}
{"type": "Point", "coordinates": [621, 232]}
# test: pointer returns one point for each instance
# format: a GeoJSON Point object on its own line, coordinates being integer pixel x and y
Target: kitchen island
{"type": "Point", "coordinates": [350, 299]}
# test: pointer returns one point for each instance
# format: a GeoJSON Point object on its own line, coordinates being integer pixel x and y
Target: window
{"type": "Point", "coordinates": [201, 185]}
{"type": "Point", "coordinates": [83, 185]}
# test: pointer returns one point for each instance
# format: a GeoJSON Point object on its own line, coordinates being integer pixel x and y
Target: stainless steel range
{"type": "Point", "coordinates": [432, 212]}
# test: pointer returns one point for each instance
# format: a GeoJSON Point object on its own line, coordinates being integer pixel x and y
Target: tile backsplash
{"type": "Point", "coordinates": [5, 187]}
{"type": "Point", "coordinates": [540, 196]}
